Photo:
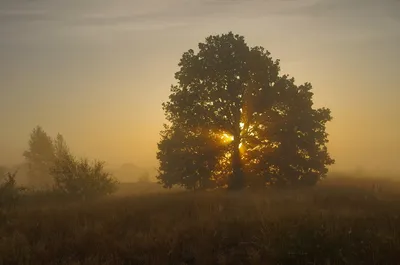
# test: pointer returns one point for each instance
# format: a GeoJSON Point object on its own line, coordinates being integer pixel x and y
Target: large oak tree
{"type": "Point", "coordinates": [234, 120]}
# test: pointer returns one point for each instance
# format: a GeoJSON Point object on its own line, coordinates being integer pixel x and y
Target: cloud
{"type": "Point", "coordinates": [118, 12]}
{"type": "Point", "coordinates": [26, 20]}
{"type": "Point", "coordinates": [13, 16]}
{"type": "Point", "coordinates": [346, 8]}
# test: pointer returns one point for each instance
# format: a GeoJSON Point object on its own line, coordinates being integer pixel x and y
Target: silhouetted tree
{"type": "Point", "coordinates": [39, 156]}
{"type": "Point", "coordinates": [230, 92]}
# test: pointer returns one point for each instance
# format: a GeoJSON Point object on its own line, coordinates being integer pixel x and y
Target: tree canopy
{"type": "Point", "coordinates": [234, 120]}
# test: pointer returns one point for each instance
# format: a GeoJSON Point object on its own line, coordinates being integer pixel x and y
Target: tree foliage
{"type": "Point", "coordinates": [61, 149]}
{"type": "Point", "coordinates": [192, 158]}
{"type": "Point", "coordinates": [232, 114]}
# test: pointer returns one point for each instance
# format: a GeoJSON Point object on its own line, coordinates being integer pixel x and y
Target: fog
{"type": "Point", "coordinates": [98, 71]}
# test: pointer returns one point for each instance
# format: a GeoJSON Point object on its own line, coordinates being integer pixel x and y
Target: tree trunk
{"type": "Point", "coordinates": [236, 181]}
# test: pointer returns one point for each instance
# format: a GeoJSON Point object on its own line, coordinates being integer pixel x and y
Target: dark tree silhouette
{"type": "Point", "coordinates": [231, 103]}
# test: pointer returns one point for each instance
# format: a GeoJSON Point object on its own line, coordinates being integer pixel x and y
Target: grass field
{"type": "Point", "coordinates": [342, 221]}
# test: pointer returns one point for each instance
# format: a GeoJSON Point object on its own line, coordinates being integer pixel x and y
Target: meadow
{"type": "Point", "coordinates": [343, 220]}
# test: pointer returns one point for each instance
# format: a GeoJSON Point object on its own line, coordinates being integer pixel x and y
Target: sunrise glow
{"type": "Point", "coordinates": [227, 138]}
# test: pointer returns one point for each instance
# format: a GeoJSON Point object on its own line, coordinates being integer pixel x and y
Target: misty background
{"type": "Point", "coordinates": [97, 71]}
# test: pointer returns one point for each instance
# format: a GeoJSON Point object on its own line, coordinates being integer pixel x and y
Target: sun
{"type": "Point", "coordinates": [227, 138]}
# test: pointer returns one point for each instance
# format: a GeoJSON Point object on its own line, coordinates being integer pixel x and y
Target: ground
{"type": "Point", "coordinates": [346, 221]}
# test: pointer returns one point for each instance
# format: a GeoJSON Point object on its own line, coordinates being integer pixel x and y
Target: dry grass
{"type": "Point", "coordinates": [137, 188]}
{"type": "Point", "coordinates": [338, 222]}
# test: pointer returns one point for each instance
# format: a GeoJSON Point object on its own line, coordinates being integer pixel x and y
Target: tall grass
{"type": "Point", "coordinates": [338, 222]}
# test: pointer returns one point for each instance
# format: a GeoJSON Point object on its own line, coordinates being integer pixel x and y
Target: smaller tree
{"type": "Point", "coordinates": [40, 157]}
{"type": "Point", "coordinates": [61, 149]}
{"type": "Point", "coordinates": [79, 177]}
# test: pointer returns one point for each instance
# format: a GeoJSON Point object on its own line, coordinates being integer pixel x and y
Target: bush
{"type": "Point", "coordinates": [81, 178]}
{"type": "Point", "coordinates": [10, 193]}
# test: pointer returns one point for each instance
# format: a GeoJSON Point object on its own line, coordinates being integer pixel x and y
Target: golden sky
{"type": "Point", "coordinates": [97, 71]}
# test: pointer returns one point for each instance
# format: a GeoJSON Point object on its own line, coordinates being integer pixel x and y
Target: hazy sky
{"type": "Point", "coordinates": [97, 71]}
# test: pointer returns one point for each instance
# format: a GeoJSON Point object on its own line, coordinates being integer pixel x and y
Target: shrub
{"type": "Point", "coordinates": [10, 193]}
{"type": "Point", "coordinates": [81, 178]}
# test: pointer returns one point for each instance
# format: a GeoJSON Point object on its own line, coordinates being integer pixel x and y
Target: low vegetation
{"type": "Point", "coordinates": [337, 222]}
{"type": "Point", "coordinates": [10, 192]}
